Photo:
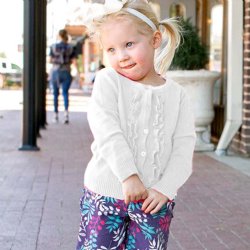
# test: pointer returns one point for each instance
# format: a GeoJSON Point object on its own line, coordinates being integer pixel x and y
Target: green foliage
{"type": "Point", "coordinates": [191, 54]}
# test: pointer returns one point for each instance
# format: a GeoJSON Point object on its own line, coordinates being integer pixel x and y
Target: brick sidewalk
{"type": "Point", "coordinates": [212, 210]}
{"type": "Point", "coordinates": [40, 191]}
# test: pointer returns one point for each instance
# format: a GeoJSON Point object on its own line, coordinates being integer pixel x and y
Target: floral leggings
{"type": "Point", "coordinates": [108, 223]}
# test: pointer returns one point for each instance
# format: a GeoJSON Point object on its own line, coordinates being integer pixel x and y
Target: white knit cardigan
{"type": "Point", "coordinates": [139, 129]}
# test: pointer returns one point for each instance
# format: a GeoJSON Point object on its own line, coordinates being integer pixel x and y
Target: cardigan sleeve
{"type": "Point", "coordinates": [103, 118]}
{"type": "Point", "coordinates": [179, 166]}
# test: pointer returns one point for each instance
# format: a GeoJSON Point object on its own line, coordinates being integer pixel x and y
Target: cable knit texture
{"type": "Point", "coordinates": [139, 129]}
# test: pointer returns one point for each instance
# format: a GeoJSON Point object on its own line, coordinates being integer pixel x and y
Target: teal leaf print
{"type": "Point", "coordinates": [147, 230]}
{"type": "Point", "coordinates": [161, 213]}
{"type": "Point", "coordinates": [110, 199]}
{"type": "Point", "coordinates": [133, 206]}
{"type": "Point", "coordinates": [113, 223]}
{"type": "Point", "coordinates": [131, 243]}
{"type": "Point", "coordinates": [88, 209]}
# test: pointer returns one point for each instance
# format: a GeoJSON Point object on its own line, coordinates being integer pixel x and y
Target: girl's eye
{"type": "Point", "coordinates": [111, 50]}
{"type": "Point", "coordinates": [129, 44]}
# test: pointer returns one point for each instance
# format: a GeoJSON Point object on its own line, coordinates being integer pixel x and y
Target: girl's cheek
{"type": "Point", "coordinates": [110, 57]}
{"type": "Point", "coordinates": [113, 62]}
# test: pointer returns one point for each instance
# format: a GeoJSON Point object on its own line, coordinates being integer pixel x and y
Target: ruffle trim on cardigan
{"type": "Point", "coordinates": [158, 125]}
{"type": "Point", "coordinates": [158, 130]}
{"type": "Point", "coordinates": [132, 124]}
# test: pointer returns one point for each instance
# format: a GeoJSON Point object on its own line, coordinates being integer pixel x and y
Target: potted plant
{"type": "Point", "coordinates": [191, 54]}
{"type": "Point", "coordinates": [189, 69]}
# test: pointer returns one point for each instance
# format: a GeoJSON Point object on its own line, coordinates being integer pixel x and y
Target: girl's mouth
{"type": "Point", "coordinates": [129, 66]}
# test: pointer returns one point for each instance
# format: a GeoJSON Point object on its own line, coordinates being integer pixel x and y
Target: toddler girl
{"type": "Point", "coordinates": [143, 132]}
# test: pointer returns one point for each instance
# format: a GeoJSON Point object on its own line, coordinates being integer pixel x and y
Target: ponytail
{"type": "Point", "coordinates": [64, 35]}
{"type": "Point", "coordinates": [170, 41]}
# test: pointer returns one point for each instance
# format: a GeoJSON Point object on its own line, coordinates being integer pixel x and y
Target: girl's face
{"type": "Point", "coordinates": [130, 52]}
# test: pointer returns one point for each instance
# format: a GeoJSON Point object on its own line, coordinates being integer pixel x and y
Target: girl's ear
{"type": "Point", "coordinates": [157, 39]}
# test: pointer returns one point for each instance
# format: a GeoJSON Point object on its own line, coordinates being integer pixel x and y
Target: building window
{"type": "Point", "coordinates": [14, 66]}
{"type": "Point", "coordinates": [177, 9]}
{"type": "Point", "coordinates": [216, 35]}
{"type": "Point", "coordinates": [216, 27]}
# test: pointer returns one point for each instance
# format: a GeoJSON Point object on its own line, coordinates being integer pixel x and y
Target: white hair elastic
{"type": "Point", "coordinates": [142, 17]}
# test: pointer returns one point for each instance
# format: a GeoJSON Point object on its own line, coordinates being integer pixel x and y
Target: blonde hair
{"type": "Point", "coordinates": [169, 29]}
{"type": "Point", "coordinates": [171, 36]}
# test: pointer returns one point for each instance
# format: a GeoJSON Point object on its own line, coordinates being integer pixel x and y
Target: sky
{"type": "Point", "coordinates": [11, 24]}
{"type": "Point", "coordinates": [11, 27]}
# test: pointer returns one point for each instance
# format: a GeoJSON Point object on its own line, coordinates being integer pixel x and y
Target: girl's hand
{"type": "Point", "coordinates": [154, 201]}
{"type": "Point", "coordinates": [133, 189]}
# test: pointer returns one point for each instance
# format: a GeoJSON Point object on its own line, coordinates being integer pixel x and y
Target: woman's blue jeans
{"type": "Point", "coordinates": [61, 78]}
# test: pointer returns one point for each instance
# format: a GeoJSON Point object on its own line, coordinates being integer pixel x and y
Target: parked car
{"type": "Point", "coordinates": [10, 72]}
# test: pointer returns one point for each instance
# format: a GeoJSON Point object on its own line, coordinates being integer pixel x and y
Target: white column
{"type": "Point", "coordinates": [234, 74]}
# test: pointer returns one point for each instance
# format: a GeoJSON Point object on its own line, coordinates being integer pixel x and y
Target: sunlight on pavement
{"type": "Point", "coordinates": [77, 101]}
{"type": "Point", "coordinates": [13, 100]}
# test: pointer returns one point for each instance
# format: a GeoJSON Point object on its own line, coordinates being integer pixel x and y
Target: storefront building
{"type": "Point", "coordinates": [224, 26]}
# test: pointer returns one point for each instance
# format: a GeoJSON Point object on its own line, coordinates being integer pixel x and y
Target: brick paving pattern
{"type": "Point", "coordinates": [40, 192]}
{"type": "Point", "coordinates": [212, 209]}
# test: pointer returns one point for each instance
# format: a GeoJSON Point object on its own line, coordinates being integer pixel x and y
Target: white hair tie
{"type": "Point", "coordinates": [142, 17]}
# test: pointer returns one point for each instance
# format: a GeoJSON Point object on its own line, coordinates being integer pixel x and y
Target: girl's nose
{"type": "Point", "coordinates": [123, 56]}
